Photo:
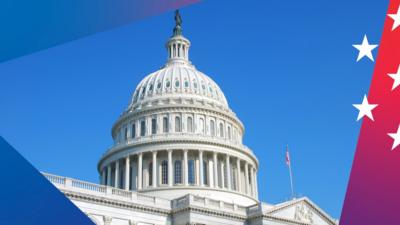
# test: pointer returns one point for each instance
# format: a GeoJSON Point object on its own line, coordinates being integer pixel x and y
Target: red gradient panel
{"type": "Point", "coordinates": [373, 194]}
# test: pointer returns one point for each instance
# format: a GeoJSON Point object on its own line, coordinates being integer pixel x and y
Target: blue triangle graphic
{"type": "Point", "coordinates": [28, 198]}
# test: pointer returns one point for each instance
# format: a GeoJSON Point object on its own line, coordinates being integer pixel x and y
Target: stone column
{"type": "Point", "coordinates": [228, 172]}
{"type": "Point", "coordinates": [185, 167]}
{"type": "Point", "coordinates": [154, 169]}
{"type": "Point", "coordinates": [108, 175]}
{"type": "Point", "coordinates": [255, 183]}
{"type": "Point", "coordinates": [140, 173]}
{"type": "Point", "coordinates": [238, 179]}
{"type": "Point", "coordinates": [116, 178]}
{"type": "Point", "coordinates": [127, 173]}
{"type": "Point", "coordinates": [201, 166]}
{"type": "Point", "coordinates": [252, 180]}
{"type": "Point", "coordinates": [246, 177]}
{"type": "Point", "coordinates": [215, 157]}
{"type": "Point", "coordinates": [103, 176]}
{"type": "Point", "coordinates": [169, 167]}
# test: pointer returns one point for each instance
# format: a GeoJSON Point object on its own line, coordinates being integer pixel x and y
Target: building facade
{"type": "Point", "coordinates": [178, 158]}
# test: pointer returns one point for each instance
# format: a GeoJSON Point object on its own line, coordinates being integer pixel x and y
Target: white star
{"type": "Point", "coordinates": [365, 49]}
{"type": "Point", "coordinates": [365, 109]}
{"type": "Point", "coordinates": [396, 137]}
{"type": "Point", "coordinates": [396, 19]}
{"type": "Point", "coordinates": [396, 78]}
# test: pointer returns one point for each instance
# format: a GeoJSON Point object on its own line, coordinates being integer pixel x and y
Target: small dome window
{"type": "Point", "coordinates": [195, 85]}
{"type": "Point", "coordinates": [177, 83]}
{"type": "Point", "coordinates": [143, 91]}
{"type": "Point", "coordinates": [186, 84]}
{"type": "Point", "coordinates": [159, 85]}
{"type": "Point", "coordinates": [151, 87]}
{"type": "Point", "coordinates": [203, 86]}
{"type": "Point", "coordinates": [168, 84]}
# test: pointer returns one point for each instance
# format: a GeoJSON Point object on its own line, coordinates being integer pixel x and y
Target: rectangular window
{"type": "Point", "coordinates": [178, 172]}
{"type": "Point", "coordinates": [178, 124]}
{"type": "Point", "coordinates": [225, 176]}
{"type": "Point", "coordinates": [150, 174]}
{"type": "Point", "coordinates": [153, 126]}
{"type": "Point", "coordinates": [191, 172]}
{"type": "Point", "coordinates": [142, 128]}
{"type": "Point", "coordinates": [133, 132]}
{"type": "Point", "coordinates": [165, 124]}
{"type": "Point", "coordinates": [205, 173]}
{"type": "Point", "coordinates": [164, 172]}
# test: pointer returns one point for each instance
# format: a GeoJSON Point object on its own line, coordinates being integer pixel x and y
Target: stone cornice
{"type": "Point", "coordinates": [113, 202]}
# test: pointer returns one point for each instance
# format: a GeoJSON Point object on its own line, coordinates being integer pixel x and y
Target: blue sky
{"type": "Point", "coordinates": [287, 68]}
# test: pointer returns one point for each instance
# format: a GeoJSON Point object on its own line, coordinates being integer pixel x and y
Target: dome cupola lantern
{"type": "Point", "coordinates": [178, 45]}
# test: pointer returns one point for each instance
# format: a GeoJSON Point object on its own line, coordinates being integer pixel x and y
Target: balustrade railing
{"type": "Point", "coordinates": [83, 186]}
{"type": "Point", "coordinates": [78, 185]}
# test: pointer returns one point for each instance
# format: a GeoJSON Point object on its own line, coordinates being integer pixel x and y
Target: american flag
{"type": "Point", "coordinates": [373, 194]}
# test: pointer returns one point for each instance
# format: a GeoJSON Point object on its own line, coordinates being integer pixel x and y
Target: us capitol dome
{"type": "Point", "coordinates": [179, 136]}
{"type": "Point", "coordinates": [178, 158]}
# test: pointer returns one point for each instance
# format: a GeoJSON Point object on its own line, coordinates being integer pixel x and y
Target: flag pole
{"type": "Point", "coordinates": [290, 170]}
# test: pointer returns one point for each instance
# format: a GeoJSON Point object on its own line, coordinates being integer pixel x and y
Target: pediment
{"type": "Point", "coordinates": [301, 210]}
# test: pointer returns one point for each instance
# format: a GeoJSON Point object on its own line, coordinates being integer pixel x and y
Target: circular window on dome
{"type": "Point", "coordinates": [186, 84]}
{"type": "Point", "coordinates": [159, 85]}
{"type": "Point", "coordinates": [203, 86]}
{"type": "Point", "coordinates": [211, 90]}
{"type": "Point", "coordinates": [151, 87]}
{"type": "Point", "coordinates": [195, 85]}
{"type": "Point", "coordinates": [177, 83]}
{"type": "Point", "coordinates": [168, 84]}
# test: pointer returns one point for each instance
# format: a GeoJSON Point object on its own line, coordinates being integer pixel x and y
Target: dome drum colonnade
{"type": "Point", "coordinates": [181, 168]}
{"type": "Point", "coordinates": [178, 132]}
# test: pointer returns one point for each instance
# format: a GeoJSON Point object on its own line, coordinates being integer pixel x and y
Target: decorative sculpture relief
{"type": "Point", "coordinates": [303, 213]}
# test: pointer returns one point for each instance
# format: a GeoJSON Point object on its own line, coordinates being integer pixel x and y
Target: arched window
{"type": "Point", "coordinates": [178, 127]}
{"type": "Point", "coordinates": [165, 124]}
{"type": "Point", "coordinates": [153, 126]}
{"type": "Point", "coordinates": [221, 130]}
{"type": "Point", "coordinates": [229, 133]}
{"type": "Point", "coordinates": [191, 172]}
{"type": "Point", "coordinates": [150, 173]}
{"type": "Point", "coordinates": [212, 128]}
{"type": "Point", "coordinates": [133, 132]}
{"type": "Point", "coordinates": [205, 173]}
{"type": "Point", "coordinates": [126, 133]}
{"type": "Point", "coordinates": [142, 128]}
{"type": "Point", "coordinates": [178, 172]}
{"type": "Point", "coordinates": [190, 124]}
{"type": "Point", "coordinates": [201, 125]}
{"type": "Point", "coordinates": [164, 172]}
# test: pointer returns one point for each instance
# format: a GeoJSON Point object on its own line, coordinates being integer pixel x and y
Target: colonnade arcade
{"type": "Point", "coordinates": [173, 168]}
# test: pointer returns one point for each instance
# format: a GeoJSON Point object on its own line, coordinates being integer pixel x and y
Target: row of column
{"type": "Point", "coordinates": [249, 181]}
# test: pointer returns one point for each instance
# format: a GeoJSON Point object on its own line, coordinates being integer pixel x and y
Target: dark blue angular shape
{"type": "Point", "coordinates": [28, 198]}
